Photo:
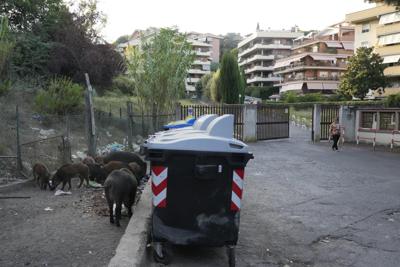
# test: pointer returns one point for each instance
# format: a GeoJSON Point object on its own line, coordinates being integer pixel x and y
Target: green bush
{"type": "Point", "coordinates": [124, 85]}
{"type": "Point", "coordinates": [4, 87]}
{"type": "Point", "coordinates": [61, 96]}
{"type": "Point", "coordinates": [260, 92]}
{"type": "Point", "coordinates": [393, 101]}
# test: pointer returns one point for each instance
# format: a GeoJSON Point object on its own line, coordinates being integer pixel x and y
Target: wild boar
{"type": "Point", "coordinates": [127, 157]}
{"type": "Point", "coordinates": [120, 188]}
{"type": "Point", "coordinates": [68, 171]}
{"type": "Point", "coordinates": [88, 160]}
{"type": "Point", "coordinates": [42, 175]}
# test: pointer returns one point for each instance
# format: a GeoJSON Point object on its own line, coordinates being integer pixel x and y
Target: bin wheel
{"type": "Point", "coordinates": [231, 251]}
{"type": "Point", "coordinates": [161, 253]}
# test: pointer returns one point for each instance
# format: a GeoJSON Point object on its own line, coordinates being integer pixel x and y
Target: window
{"type": "Point", "coordinates": [365, 28]}
{"type": "Point", "coordinates": [315, 49]}
{"type": "Point", "coordinates": [387, 121]}
{"type": "Point", "coordinates": [389, 39]}
{"type": "Point", "coordinates": [334, 74]}
{"type": "Point", "coordinates": [323, 74]}
{"type": "Point", "coordinates": [389, 18]}
{"type": "Point", "coordinates": [277, 41]}
{"type": "Point", "coordinates": [368, 120]}
{"type": "Point", "coordinates": [365, 44]}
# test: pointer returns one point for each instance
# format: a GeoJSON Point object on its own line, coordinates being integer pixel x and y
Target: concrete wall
{"type": "Point", "coordinates": [250, 123]}
{"type": "Point", "coordinates": [347, 118]}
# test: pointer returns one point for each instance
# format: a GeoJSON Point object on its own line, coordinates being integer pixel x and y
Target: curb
{"type": "Point", "coordinates": [14, 186]}
{"type": "Point", "coordinates": [132, 246]}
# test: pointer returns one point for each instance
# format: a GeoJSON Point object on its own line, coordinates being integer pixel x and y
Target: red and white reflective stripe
{"type": "Point", "coordinates": [159, 177]}
{"type": "Point", "coordinates": [237, 189]}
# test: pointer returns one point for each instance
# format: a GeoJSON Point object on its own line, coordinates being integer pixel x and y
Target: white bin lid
{"type": "Point", "coordinates": [200, 124]}
{"type": "Point", "coordinates": [217, 138]}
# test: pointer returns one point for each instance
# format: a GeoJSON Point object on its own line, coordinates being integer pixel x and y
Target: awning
{"type": "Point", "coordinates": [324, 57]}
{"type": "Point", "coordinates": [391, 59]}
{"type": "Point", "coordinates": [389, 18]}
{"type": "Point", "coordinates": [286, 62]}
{"type": "Point", "coordinates": [314, 86]}
{"type": "Point", "coordinates": [330, 86]}
{"type": "Point", "coordinates": [348, 45]}
{"type": "Point", "coordinates": [335, 44]}
{"type": "Point", "coordinates": [292, 87]}
{"type": "Point", "coordinates": [389, 39]}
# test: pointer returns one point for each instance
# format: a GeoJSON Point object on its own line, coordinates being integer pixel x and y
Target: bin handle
{"type": "Point", "coordinates": [203, 171]}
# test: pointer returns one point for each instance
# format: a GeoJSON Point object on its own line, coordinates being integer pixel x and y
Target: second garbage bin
{"type": "Point", "coordinates": [197, 183]}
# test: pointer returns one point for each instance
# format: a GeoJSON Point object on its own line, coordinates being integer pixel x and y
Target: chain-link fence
{"type": "Point", "coordinates": [8, 145]}
{"type": "Point", "coordinates": [55, 140]}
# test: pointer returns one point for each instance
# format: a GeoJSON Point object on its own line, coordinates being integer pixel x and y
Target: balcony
{"type": "Point", "coordinates": [255, 58]}
{"type": "Point", "coordinates": [388, 50]}
{"type": "Point", "coordinates": [259, 68]}
{"type": "Point", "coordinates": [203, 54]}
{"type": "Point", "coordinates": [392, 71]}
{"type": "Point", "coordinates": [369, 14]}
{"type": "Point", "coordinates": [316, 65]}
{"type": "Point", "coordinates": [314, 78]}
{"type": "Point", "coordinates": [197, 71]}
{"type": "Point", "coordinates": [190, 88]}
{"type": "Point", "coordinates": [263, 79]}
{"type": "Point", "coordinates": [192, 80]}
{"type": "Point", "coordinates": [388, 29]}
{"type": "Point", "coordinates": [264, 46]}
{"type": "Point", "coordinates": [199, 62]}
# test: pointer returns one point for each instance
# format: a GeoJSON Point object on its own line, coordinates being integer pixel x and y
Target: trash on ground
{"type": "Point", "coordinates": [94, 184]}
{"type": "Point", "coordinates": [48, 209]}
{"type": "Point", "coordinates": [46, 133]}
{"type": "Point", "coordinates": [61, 193]}
{"type": "Point", "coordinates": [110, 148]}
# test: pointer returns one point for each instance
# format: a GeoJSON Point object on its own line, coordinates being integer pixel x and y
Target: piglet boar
{"type": "Point", "coordinates": [88, 160]}
{"type": "Point", "coordinates": [120, 188]}
{"type": "Point", "coordinates": [41, 174]}
{"type": "Point", "coordinates": [68, 171]}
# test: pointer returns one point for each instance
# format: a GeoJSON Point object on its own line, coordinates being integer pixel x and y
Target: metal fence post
{"type": "Point", "coordinates": [90, 120]}
{"type": "Point", "coordinates": [130, 123]}
{"type": "Point", "coordinates": [19, 160]}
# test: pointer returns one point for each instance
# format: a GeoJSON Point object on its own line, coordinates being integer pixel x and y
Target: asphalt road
{"type": "Point", "coordinates": [305, 205]}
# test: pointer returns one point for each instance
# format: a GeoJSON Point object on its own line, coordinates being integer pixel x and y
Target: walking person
{"type": "Point", "coordinates": [334, 130]}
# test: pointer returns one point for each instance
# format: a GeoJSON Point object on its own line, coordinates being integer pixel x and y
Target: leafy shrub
{"type": "Point", "coordinates": [61, 96]}
{"type": "Point", "coordinates": [124, 85]}
{"type": "Point", "coordinates": [4, 87]}
{"type": "Point", "coordinates": [262, 92]}
{"type": "Point", "coordinates": [393, 101]}
{"type": "Point", "coordinates": [313, 97]}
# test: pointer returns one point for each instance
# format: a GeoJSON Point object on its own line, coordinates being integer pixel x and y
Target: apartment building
{"type": "Point", "coordinates": [379, 27]}
{"type": "Point", "coordinates": [258, 52]}
{"type": "Point", "coordinates": [201, 65]}
{"type": "Point", "coordinates": [317, 61]}
{"type": "Point", "coordinates": [212, 39]}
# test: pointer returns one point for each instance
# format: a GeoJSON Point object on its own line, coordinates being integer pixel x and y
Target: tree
{"type": "Point", "coordinates": [122, 39]}
{"type": "Point", "coordinates": [205, 84]}
{"type": "Point", "coordinates": [230, 41]}
{"type": "Point", "coordinates": [364, 72]}
{"type": "Point", "coordinates": [199, 89]}
{"type": "Point", "coordinates": [231, 83]}
{"type": "Point", "coordinates": [159, 69]}
{"type": "Point", "coordinates": [6, 46]}
{"type": "Point", "coordinates": [215, 86]}
{"type": "Point", "coordinates": [388, 2]}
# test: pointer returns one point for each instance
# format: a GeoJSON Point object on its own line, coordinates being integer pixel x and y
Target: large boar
{"type": "Point", "coordinates": [127, 157]}
{"type": "Point", "coordinates": [41, 174]}
{"type": "Point", "coordinates": [120, 188]}
{"type": "Point", "coordinates": [68, 171]}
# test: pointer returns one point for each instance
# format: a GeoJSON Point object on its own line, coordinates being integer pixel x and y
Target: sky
{"type": "Point", "coordinates": [223, 16]}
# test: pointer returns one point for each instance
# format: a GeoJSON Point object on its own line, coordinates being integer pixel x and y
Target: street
{"type": "Point", "coordinates": [305, 205]}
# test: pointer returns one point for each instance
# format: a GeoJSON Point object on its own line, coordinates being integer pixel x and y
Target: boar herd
{"type": "Point", "coordinates": [120, 173]}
